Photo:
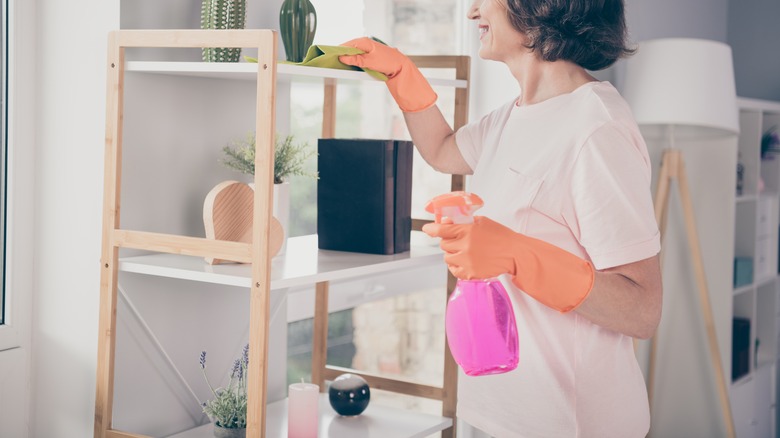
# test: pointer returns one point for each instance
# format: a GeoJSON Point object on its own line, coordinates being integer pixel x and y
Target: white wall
{"type": "Point", "coordinates": [674, 18]}
{"type": "Point", "coordinates": [72, 71]}
{"type": "Point", "coordinates": [754, 35]}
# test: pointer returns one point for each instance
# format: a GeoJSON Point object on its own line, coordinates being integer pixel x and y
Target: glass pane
{"type": "Point", "coordinates": [3, 151]}
{"type": "Point", "coordinates": [366, 110]}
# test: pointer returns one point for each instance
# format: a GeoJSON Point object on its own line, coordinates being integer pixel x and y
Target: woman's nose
{"type": "Point", "coordinates": [473, 12]}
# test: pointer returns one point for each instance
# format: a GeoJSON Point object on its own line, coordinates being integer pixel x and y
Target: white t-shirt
{"type": "Point", "coordinates": [573, 171]}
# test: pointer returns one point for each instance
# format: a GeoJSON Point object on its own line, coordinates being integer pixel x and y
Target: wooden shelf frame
{"type": "Point", "coordinates": [256, 253]}
{"type": "Point", "coordinates": [265, 41]}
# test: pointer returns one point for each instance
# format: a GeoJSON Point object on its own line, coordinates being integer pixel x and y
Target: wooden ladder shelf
{"type": "Point", "coordinates": [256, 253]}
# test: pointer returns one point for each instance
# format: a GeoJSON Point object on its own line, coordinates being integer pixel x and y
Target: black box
{"type": "Point", "coordinates": [740, 350]}
{"type": "Point", "coordinates": [364, 195]}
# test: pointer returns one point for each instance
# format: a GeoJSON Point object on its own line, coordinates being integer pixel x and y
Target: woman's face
{"type": "Point", "coordinates": [498, 38]}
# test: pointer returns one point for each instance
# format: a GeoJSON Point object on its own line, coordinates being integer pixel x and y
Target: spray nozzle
{"type": "Point", "coordinates": [457, 206]}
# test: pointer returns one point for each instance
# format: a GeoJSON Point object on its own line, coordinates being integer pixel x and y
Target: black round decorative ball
{"type": "Point", "coordinates": [349, 394]}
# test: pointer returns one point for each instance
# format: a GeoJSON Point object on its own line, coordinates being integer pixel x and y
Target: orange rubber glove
{"type": "Point", "coordinates": [409, 88]}
{"type": "Point", "coordinates": [487, 249]}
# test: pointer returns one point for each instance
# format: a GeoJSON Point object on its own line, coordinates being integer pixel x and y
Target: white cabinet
{"type": "Point", "coordinates": [756, 288]}
{"type": "Point", "coordinates": [752, 401]}
{"type": "Point", "coordinates": [743, 407]}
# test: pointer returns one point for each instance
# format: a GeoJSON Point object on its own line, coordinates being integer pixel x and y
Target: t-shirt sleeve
{"type": "Point", "coordinates": [612, 209]}
{"type": "Point", "coordinates": [469, 145]}
{"type": "Point", "coordinates": [472, 138]}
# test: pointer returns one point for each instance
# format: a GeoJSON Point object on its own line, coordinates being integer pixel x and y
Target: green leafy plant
{"type": "Point", "coordinates": [770, 143]}
{"type": "Point", "coordinates": [228, 407]}
{"type": "Point", "coordinates": [289, 157]}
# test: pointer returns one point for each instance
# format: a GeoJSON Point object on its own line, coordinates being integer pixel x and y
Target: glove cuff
{"type": "Point", "coordinates": [553, 276]}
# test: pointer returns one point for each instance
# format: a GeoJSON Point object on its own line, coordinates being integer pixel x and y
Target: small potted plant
{"type": "Point", "coordinates": [227, 410]}
{"type": "Point", "coordinates": [289, 159]}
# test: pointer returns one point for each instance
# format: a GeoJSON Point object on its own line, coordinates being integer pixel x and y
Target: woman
{"type": "Point", "coordinates": [565, 177]}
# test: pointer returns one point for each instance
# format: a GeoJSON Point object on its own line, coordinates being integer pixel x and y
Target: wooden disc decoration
{"type": "Point", "coordinates": [227, 215]}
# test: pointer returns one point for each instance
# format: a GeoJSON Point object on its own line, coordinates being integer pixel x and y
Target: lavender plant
{"type": "Point", "coordinates": [228, 408]}
{"type": "Point", "coordinates": [222, 14]}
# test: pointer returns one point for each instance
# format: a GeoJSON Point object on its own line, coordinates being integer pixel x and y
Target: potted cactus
{"type": "Point", "coordinates": [222, 14]}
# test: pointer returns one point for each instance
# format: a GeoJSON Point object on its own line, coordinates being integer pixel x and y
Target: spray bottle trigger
{"type": "Point", "coordinates": [458, 206]}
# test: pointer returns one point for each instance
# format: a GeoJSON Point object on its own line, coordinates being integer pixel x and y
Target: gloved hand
{"type": "Point", "coordinates": [409, 88]}
{"type": "Point", "coordinates": [487, 249]}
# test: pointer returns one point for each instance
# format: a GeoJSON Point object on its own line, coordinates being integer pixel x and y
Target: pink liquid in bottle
{"type": "Point", "coordinates": [481, 328]}
{"type": "Point", "coordinates": [479, 322]}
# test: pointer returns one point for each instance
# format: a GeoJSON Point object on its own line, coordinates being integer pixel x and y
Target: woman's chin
{"type": "Point", "coordinates": [486, 55]}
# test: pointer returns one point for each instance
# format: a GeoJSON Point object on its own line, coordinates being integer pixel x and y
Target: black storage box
{"type": "Point", "coordinates": [740, 351]}
{"type": "Point", "coordinates": [364, 195]}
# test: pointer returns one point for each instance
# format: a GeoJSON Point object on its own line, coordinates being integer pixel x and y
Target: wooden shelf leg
{"type": "Point", "coordinates": [319, 355]}
{"type": "Point", "coordinates": [450, 383]}
{"type": "Point", "coordinates": [104, 393]}
{"type": "Point", "coordinates": [329, 109]}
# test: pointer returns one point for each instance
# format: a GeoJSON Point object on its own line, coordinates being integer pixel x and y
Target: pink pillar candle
{"type": "Point", "coordinates": [303, 410]}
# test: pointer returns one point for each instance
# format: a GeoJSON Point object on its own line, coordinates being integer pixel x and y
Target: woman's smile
{"type": "Point", "coordinates": [483, 29]}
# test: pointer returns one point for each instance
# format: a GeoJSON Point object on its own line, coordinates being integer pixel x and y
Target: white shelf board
{"type": "Point", "coordinates": [302, 264]}
{"type": "Point", "coordinates": [745, 103]}
{"type": "Point", "coordinates": [763, 281]}
{"type": "Point", "coordinates": [248, 71]}
{"type": "Point", "coordinates": [746, 198]}
{"type": "Point", "coordinates": [742, 289]}
{"type": "Point", "coordinates": [375, 422]}
{"type": "Point", "coordinates": [747, 377]}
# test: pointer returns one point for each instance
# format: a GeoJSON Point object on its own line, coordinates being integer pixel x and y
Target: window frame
{"type": "Point", "coordinates": [20, 177]}
{"type": "Point", "coordinates": [3, 149]}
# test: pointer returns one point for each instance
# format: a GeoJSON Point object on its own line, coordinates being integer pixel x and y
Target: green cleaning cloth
{"type": "Point", "coordinates": [328, 57]}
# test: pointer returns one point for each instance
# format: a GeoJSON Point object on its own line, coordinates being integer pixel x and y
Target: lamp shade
{"type": "Point", "coordinates": [684, 82]}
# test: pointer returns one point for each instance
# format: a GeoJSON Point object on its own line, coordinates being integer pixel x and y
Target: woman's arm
{"type": "Point", "coordinates": [435, 141]}
{"type": "Point", "coordinates": [430, 132]}
{"type": "Point", "coordinates": [626, 298]}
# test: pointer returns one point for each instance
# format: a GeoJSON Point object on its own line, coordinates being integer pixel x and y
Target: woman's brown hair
{"type": "Point", "coordinates": [590, 33]}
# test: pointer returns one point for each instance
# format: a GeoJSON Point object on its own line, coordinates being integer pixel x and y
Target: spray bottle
{"type": "Point", "coordinates": [479, 321]}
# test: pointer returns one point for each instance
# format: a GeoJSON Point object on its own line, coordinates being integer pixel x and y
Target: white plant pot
{"type": "Point", "coordinates": [281, 210]}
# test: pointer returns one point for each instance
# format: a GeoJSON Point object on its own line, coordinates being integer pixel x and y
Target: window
{"type": "Point", "coordinates": [401, 333]}
{"type": "Point", "coordinates": [366, 110]}
{"type": "Point", "coordinates": [3, 150]}
{"type": "Point", "coordinates": [17, 171]}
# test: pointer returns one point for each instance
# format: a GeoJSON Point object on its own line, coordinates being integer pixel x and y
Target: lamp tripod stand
{"type": "Point", "coordinates": [673, 168]}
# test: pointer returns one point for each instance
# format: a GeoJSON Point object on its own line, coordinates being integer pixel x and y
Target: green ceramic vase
{"type": "Point", "coordinates": [222, 14]}
{"type": "Point", "coordinates": [297, 25]}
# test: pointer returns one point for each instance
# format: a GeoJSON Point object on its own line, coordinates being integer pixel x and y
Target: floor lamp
{"type": "Point", "coordinates": [682, 88]}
